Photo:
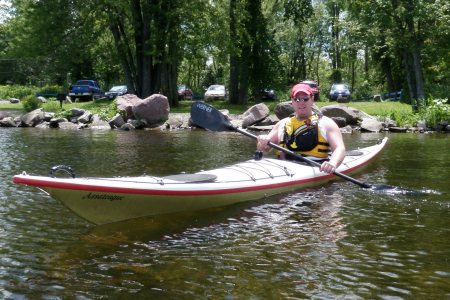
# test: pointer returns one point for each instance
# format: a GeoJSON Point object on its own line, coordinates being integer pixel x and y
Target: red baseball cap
{"type": "Point", "coordinates": [301, 87]}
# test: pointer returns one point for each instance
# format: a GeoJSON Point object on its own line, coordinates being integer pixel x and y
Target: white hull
{"type": "Point", "coordinates": [107, 200]}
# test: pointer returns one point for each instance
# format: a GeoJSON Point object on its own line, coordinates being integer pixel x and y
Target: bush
{"type": "Point", "coordinates": [30, 103]}
{"type": "Point", "coordinates": [435, 111]}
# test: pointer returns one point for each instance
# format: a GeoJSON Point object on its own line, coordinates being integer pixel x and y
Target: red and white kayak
{"type": "Point", "coordinates": [107, 200]}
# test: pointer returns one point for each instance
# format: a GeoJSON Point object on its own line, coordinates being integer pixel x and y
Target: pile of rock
{"type": "Point", "coordinates": [153, 112]}
{"type": "Point", "coordinates": [134, 113]}
{"type": "Point", "coordinates": [349, 119]}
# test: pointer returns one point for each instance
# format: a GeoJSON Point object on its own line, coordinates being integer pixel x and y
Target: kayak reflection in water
{"type": "Point", "coordinates": [308, 133]}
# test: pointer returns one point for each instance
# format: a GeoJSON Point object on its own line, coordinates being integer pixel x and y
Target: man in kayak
{"type": "Point", "coordinates": [307, 132]}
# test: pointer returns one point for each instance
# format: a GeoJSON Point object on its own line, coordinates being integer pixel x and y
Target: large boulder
{"type": "Point", "coordinates": [283, 110]}
{"type": "Point", "coordinates": [32, 118]}
{"type": "Point", "coordinates": [125, 105]}
{"type": "Point", "coordinates": [154, 110]}
{"type": "Point", "coordinates": [350, 115]}
{"type": "Point", "coordinates": [255, 114]}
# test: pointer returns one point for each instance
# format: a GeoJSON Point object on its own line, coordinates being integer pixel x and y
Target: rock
{"type": "Point", "coordinates": [43, 125]}
{"type": "Point", "coordinates": [283, 110]}
{"type": "Point", "coordinates": [54, 123]}
{"type": "Point", "coordinates": [398, 129]}
{"type": "Point", "coordinates": [154, 110]}
{"type": "Point", "coordinates": [269, 121]}
{"type": "Point", "coordinates": [76, 112]}
{"type": "Point", "coordinates": [371, 125]}
{"type": "Point", "coordinates": [389, 123]}
{"type": "Point", "coordinates": [67, 125]}
{"type": "Point", "coordinates": [350, 115]}
{"type": "Point", "coordinates": [7, 122]}
{"type": "Point", "coordinates": [347, 129]}
{"type": "Point", "coordinates": [85, 118]}
{"type": "Point", "coordinates": [42, 99]}
{"type": "Point", "coordinates": [421, 125]}
{"type": "Point", "coordinates": [340, 121]}
{"type": "Point", "coordinates": [4, 114]}
{"type": "Point", "coordinates": [117, 121]}
{"type": "Point", "coordinates": [125, 105]}
{"type": "Point", "coordinates": [48, 116]}
{"type": "Point", "coordinates": [32, 118]}
{"type": "Point", "coordinates": [127, 127]}
{"type": "Point", "coordinates": [137, 124]}
{"type": "Point", "coordinates": [98, 123]}
{"type": "Point", "coordinates": [174, 122]}
{"type": "Point", "coordinates": [255, 114]}
{"type": "Point", "coordinates": [377, 98]}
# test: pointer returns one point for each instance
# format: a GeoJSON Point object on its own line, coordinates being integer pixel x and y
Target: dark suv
{"type": "Point", "coordinates": [315, 88]}
{"type": "Point", "coordinates": [340, 92]}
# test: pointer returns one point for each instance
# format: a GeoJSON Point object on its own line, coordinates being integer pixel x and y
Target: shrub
{"type": "Point", "coordinates": [30, 103]}
{"type": "Point", "coordinates": [436, 111]}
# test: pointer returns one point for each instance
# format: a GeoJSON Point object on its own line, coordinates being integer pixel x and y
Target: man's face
{"type": "Point", "coordinates": [302, 103]}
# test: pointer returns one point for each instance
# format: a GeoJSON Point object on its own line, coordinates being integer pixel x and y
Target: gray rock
{"type": "Point", "coordinates": [350, 115]}
{"type": "Point", "coordinates": [76, 112]}
{"type": "Point", "coordinates": [32, 118]}
{"type": "Point", "coordinates": [127, 127]}
{"type": "Point", "coordinates": [42, 99]}
{"type": "Point", "coordinates": [398, 129]}
{"type": "Point", "coordinates": [7, 122]}
{"type": "Point", "coordinates": [283, 110]}
{"type": "Point", "coordinates": [117, 121]}
{"type": "Point", "coordinates": [255, 114]}
{"type": "Point", "coordinates": [371, 125]}
{"type": "Point", "coordinates": [85, 118]}
{"type": "Point", "coordinates": [67, 125]}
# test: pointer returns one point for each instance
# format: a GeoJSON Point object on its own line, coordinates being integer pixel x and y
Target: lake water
{"type": "Point", "coordinates": [335, 241]}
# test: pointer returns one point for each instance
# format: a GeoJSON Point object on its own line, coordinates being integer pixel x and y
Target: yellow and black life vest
{"type": "Point", "coordinates": [304, 137]}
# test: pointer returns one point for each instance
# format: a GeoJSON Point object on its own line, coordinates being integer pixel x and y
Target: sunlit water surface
{"type": "Point", "coordinates": [335, 241]}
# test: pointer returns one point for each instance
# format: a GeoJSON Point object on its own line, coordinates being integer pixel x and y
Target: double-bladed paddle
{"type": "Point", "coordinates": [208, 117]}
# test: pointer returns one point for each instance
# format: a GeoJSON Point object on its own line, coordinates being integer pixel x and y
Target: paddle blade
{"type": "Point", "coordinates": [208, 117]}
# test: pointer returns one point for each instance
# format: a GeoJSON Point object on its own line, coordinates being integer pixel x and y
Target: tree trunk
{"type": "Point", "coordinates": [233, 90]}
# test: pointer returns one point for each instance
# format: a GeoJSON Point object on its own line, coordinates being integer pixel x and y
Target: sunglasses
{"type": "Point", "coordinates": [304, 99]}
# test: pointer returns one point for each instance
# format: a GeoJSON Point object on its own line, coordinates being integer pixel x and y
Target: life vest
{"type": "Point", "coordinates": [304, 137]}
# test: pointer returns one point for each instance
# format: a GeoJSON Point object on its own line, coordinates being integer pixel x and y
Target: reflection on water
{"type": "Point", "coordinates": [337, 241]}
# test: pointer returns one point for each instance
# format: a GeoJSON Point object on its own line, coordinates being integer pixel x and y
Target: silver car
{"type": "Point", "coordinates": [215, 92]}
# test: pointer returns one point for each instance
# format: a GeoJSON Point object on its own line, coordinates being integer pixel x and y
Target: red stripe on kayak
{"type": "Point", "coordinates": [90, 188]}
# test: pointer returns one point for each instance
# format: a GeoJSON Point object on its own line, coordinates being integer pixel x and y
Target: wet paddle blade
{"type": "Point", "coordinates": [208, 117]}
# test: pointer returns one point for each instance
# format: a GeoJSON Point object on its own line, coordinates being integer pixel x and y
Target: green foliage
{"type": "Point", "coordinates": [17, 91]}
{"type": "Point", "coordinates": [437, 110]}
{"type": "Point", "coordinates": [30, 103]}
{"type": "Point", "coordinates": [52, 106]}
{"type": "Point", "coordinates": [106, 113]}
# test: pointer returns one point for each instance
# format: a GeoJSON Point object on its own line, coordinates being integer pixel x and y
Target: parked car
{"type": "Point", "coordinates": [86, 90]}
{"type": "Point", "coordinates": [268, 94]}
{"type": "Point", "coordinates": [184, 93]}
{"type": "Point", "coordinates": [340, 92]}
{"type": "Point", "coordinates": [315, 88]}
{"type": "Point", "coordinates": [117, 90]}
{"type": "Point", "coordinates": [215, 92]}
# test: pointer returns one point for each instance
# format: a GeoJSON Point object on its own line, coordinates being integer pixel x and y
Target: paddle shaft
{"type": "Point", "coordinates": [309, 161]}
